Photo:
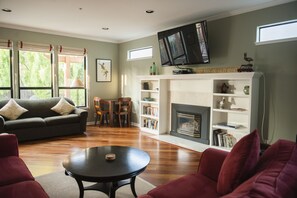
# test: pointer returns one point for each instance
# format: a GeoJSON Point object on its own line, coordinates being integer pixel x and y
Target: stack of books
{"type": "Point", "coordinates": [223, 139]}
{"type": "Point", "coordinates": [150, 123]}
{"type": "Point", "coordinates": [152, 111]}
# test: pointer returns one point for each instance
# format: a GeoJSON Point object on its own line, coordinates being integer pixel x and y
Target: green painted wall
{"type": "Point", "coordinates": [95, 49]}
{"type": "Point", "coordinates": [229, 38]}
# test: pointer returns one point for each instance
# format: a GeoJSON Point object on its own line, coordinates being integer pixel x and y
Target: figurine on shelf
{"type": "Point", "coordinates": [224, 88]}
{"type": "Point", "coordinates": [222, 103]}
{"type": "Point", "coordinates": [247, 67]}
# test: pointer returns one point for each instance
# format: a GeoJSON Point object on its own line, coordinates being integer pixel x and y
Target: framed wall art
{"type": "Point", "coordinates": [103, 70]}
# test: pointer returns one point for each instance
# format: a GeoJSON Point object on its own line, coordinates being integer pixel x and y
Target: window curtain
{"type": "Point", "coordinates": [5, 44]}
{"type": "Point", "coordinates": [72, 51]}
{"type": "Point", "coordinates": [36, 47]}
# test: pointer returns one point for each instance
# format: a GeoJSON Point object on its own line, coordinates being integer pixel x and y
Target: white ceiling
{"type": "Point", "coordinates": [126, 19]}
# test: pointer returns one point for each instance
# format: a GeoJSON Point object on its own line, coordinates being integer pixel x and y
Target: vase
{"type": "Point", "coordinates": [246, 90]}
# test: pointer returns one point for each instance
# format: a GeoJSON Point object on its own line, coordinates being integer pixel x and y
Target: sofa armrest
{"type": "Point", "coordinates": [8, 145]}
{"type": "Point", "coordinates": [83, 118]}
{"type": "Point", "coordinates": [211, 162]}
{"type": "Point", "coordinates": [81, 112]}
{"type": "Point", "coordinates": [2, 121]}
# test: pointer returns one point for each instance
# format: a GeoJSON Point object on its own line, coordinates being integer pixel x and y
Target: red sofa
{"type": "Point", "coordinates": [15, 178]}
{"type": "Point", "coordinates": [239, 173]}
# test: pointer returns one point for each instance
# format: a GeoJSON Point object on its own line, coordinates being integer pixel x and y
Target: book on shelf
{"type": "Point", "coordinates": [149, 110]}
{"type": "Point", "coordinates": [215, 136]}
{"type": "Point", "coordinates": [223, 139]}
{"type": "Point", "coordinates": [230, 141]}
{"type": "Point", "coordinates": [150, 123]}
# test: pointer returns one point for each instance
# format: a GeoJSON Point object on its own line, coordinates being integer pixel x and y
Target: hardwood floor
{"type": "Point", "coordinates": [168, 161]}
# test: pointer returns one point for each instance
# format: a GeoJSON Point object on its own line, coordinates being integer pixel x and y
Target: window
{"type": "Point", "coordinates": [72, 75]}
{"type": "Point", "coordinates": [35, 69]}
{"type": "Point", "coordinates": [5, 69]}
{"type": "Point", "coordinates": [278, 32]}
{"type": "Point", "coordinates": [140, 53]}
{"type": "Point", "coordinates": [37, 78]}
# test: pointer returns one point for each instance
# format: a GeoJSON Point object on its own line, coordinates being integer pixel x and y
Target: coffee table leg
{"type": "Point", "coordinates": [81, 188]}
{"type": "Point", "coordinates": [132, 184]}
{"type": "Point", "coordinates": [114, 187]}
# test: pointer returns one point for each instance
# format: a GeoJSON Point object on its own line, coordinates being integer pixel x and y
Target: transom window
{"type": "Point", "coordinates": [277, 32]}
{"type": "Point", "coordinates": [140, 53]}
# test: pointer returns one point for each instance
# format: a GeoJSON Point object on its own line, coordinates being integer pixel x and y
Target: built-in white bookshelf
{"type": "Point", "coordinates": [153, 110]}
{"type": "Point", "coordinates": [238, 116]}
{"type": "Point", "coordinates": [236, 119]}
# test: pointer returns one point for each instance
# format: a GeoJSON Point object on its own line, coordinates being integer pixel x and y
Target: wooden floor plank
{"type": "Point", "coordinates": [167, 161]}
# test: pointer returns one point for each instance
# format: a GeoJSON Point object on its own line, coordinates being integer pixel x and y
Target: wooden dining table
{"type": "Point", "coordinates": [113, 107]}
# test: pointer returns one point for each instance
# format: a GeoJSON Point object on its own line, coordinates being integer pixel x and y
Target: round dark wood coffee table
{"type": "Point", "coordinates": [90, 165]}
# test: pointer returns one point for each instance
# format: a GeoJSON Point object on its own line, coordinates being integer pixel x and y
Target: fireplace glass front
{"type": "Point", "coordinates": [189, 124]}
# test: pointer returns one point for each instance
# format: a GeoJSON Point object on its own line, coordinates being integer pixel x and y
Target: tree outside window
{"type": "Point", "coordinates": [71, 72]}
{"type": "Point", "coordinates": [5, 74]}
{"type": "Point", "coordinates": [35, 74]}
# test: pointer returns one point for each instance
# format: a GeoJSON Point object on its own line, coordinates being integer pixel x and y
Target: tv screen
{"type": "Point", "coordinates": [186, 45]}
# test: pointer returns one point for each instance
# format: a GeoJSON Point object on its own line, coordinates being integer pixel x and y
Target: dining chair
{"type": "Point", "coordinates": [124, 110]}
{"type": "Point", "coordinates": [102, 109]}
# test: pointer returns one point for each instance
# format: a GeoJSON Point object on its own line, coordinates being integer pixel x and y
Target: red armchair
{"type": "Point", "coordinates": [200, 184]}
{"type": "Point", "coordinates": [15, 178]}
{"type": "Point", "coordinates": [239, 173]}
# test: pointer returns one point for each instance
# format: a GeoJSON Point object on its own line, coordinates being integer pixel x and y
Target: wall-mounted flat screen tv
{"type": "Point", "coordinates": [186, 45]}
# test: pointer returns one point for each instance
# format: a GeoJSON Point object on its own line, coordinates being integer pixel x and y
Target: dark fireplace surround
{"type": "Point", "coordinates": [197, 111]}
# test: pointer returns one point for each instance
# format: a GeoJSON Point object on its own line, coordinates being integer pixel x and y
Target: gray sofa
{"type": "Point", "coordinates": [41, 122]}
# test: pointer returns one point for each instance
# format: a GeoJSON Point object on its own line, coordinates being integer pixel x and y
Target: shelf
{"type": "Point", "coordinates": [231, 111]}
{"type": "Point", "coordinates": [153, 107]}
{"type": "Point", "coordinates": [231, 95]}
{"type": "Point", "coordinates": [149, 116]}
{"type": "Point", "coordinates": [150, 91]}
{"type": "Point", "coordinates": [149, 102]}
{"type": "Point", "coordinates": [233, 122]}
{"type": "Point", "coordinates": [240, 129]}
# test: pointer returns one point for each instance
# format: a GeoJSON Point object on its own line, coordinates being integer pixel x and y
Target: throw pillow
{"type": "Point", "coordinates": [12, 110]}
{"type": "Point", "coordinates": [239, 163]}
{"type": "Point", "coordinates": [63, 107]}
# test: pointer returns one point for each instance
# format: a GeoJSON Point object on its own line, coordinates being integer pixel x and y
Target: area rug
{"type": "Point", "coordinates": [58, 185]}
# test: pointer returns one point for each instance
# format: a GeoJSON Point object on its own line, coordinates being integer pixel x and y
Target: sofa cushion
{"type": "Point", "coordinates": [276, 175]}
{"type": "Point", "coordinates": [13, 170]}
{"type": "Point", "coordinates": [27, 189]}
{"type": "Point", "coordinates": [192, 185]}
{"type": "Point", "coordinates": [12, 110]}
{"type": "Point", "coordinates": [239, 163]}
{"type": "Point", "coordinates": [67, 119]}
{"type": "Point", "coordinates": [24, 123]}
{"type": "Point", "coordinates": [63, 107]}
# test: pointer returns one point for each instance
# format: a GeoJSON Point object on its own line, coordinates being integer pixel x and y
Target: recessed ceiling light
{"type": "Point", "coordinates": [105, 28]}
{"type": "Point", "coordinates": [6, 10]}
{"type": "Point", "coordinates": [149, 11]}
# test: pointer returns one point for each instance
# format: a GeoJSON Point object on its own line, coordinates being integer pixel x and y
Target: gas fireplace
{"type": "Point", "coordinates": [190, 122]}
